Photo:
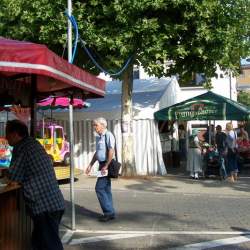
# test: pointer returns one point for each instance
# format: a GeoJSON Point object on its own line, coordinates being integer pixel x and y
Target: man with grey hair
{"type": "Point", "coordinates": [105, 145]}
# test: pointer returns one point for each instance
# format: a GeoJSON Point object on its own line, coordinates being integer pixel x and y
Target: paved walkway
{"type": "Point", "coordinates": [171, 184]}
{"type": "Point", "coordinates": [162, 213]}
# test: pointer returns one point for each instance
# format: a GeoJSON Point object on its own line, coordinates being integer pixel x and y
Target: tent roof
{"type": "Point", "coordinates": [207, 106]}
{"type": "Point", "coordinates": [139, 85]}
{"type": "Point", "coordinates": [112, 102]}
{"type": "Point", "coordinates": [19, 59]}
{"type": "Point", "coordinates": [146, 95]}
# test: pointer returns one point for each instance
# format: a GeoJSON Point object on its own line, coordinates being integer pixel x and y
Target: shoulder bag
{"type": "Point", "coordinates": [114, 166]}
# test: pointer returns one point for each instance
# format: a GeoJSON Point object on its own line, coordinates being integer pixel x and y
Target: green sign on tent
{"type": "Point", "coordinates": [208, 106]}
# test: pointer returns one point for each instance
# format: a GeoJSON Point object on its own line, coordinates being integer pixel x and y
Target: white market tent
{"type": "Point", "coordinates": [148, 96]}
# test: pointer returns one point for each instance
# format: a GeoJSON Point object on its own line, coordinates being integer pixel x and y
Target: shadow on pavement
{"type": "Point", "coordinates": [158, 184]}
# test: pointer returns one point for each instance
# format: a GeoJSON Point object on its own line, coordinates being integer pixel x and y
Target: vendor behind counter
{"type": "Point", "coordinates": [32, 168]}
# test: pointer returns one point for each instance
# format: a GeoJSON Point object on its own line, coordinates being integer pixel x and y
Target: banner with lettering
{"type": "Point", "coordinates": [207, 106]}
{"type": "Point", "coordinates": [197, 110]}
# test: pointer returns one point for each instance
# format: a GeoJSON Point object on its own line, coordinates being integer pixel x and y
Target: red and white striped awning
{"type": "Point", "coordinates": [54, 74]}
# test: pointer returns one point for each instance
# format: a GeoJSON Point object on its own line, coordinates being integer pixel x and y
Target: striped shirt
{"type": "Point", "coordinates": [32, 168]}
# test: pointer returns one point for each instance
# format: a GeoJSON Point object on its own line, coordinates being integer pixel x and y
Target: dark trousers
{"type": "Point", "coordinates": [182, 149]}
{"type": "Point", "coordinates": [232, 164]}
{"type": "Point", "coordinates": [45, 235]}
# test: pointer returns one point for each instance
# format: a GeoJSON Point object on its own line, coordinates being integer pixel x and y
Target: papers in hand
{"type": "Point", "coordinates": [100, 174]}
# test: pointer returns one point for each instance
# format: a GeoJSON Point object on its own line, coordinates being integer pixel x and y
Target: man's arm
{"type": "Point", "coordinates": [91, 164]}
{"type": "Point", "coordinates": [16, 171]}
{"type": "Point", "coordinates": [110, 144]}
{"type": "Point", "coordinates": [110, 157]}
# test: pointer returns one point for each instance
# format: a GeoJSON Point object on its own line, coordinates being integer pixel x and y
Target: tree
{"type": "Point", "coordinates": [194, 35]}
{"type": "Point", "coordinates": [244, 97]}
{"type": "Point", "coordinates": [36, 21]}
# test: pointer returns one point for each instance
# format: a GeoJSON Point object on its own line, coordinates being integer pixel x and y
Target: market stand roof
{"type": "Point", "coordinates": [19, 60]}
{"type": "Point", "coordinates": [208, 106]}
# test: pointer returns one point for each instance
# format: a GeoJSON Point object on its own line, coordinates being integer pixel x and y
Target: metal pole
{"type": "Point", "coordinates": [209, 132]}
{"type": "Point", "coordinates": [33, 106]}
{"type": "Point", "coordinates": [43, 126]}
{"type": "Point", "coordinates": [230, 85]}
{"type": "Point", "coordinates": [71, 129]}
{"type": "Point", "coordinates": [72, 196]}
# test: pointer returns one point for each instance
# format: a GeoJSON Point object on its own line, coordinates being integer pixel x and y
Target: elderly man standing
{"type": "Point", "coordinates": [105, 145]}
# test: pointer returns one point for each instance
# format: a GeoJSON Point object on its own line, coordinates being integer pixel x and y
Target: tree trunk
{"type": "Point", "coordinates": [128, 159]}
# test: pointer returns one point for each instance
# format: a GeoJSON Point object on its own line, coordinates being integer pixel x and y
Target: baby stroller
{"type": "Point", "coordinates": [212, 161]}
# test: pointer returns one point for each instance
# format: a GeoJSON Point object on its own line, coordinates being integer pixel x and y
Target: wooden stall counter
{"type": "Point", "coordinates": [15, 225]}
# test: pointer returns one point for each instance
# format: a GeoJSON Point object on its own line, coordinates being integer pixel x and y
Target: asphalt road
{"type": "Point", "coordinates": [161, 213]}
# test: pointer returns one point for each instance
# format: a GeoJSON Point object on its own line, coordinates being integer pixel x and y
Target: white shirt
{"type": "Point", "coordinates": [231, 139]}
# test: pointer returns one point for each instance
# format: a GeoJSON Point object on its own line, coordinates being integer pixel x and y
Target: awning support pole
{"type": "Point", "coordinates": [33, 106]}
{"type": "Point", "coordinates": [71, 128]}
{"type": "Point", "coordinates": [72, 167]}
{"type": "Point", "coordinates": [209, 132]}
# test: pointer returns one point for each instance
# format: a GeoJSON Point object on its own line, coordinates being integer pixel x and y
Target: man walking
{"type": "Point", "coordinates": [31, 167]}
{"type": "Point", "coordinates": [105, 144]}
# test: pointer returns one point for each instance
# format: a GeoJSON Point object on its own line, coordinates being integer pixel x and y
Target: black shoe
{"type": "Point", "coordinates": [106, 218]}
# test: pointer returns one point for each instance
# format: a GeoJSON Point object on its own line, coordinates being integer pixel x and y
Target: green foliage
{"type": "Point", "coordinates": [195, 35]}
{"type": "Point", "coordinates": [244, 97]}
{"type": "Point", "coordinates": [40, 21]}
{"type": "Point", "coordinates": [208, 85]}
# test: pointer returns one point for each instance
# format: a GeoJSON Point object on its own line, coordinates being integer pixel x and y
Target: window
{"type": "Point", "coordinates": [136, 73]}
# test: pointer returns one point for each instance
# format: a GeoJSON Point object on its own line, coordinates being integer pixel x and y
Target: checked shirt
{"type": "Point", "coordinates": [32, 168]}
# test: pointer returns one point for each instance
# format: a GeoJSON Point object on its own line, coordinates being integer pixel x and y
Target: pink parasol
{"type": "Point", "coordinates": [61, 102]}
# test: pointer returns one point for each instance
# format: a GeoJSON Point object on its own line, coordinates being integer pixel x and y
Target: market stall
{"type": "Point", "coordinates": [30, 72]}
{"type": "Point", "coordinates": [208, 106]}
{"type": "Point", "coordinates": [244, 150]}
